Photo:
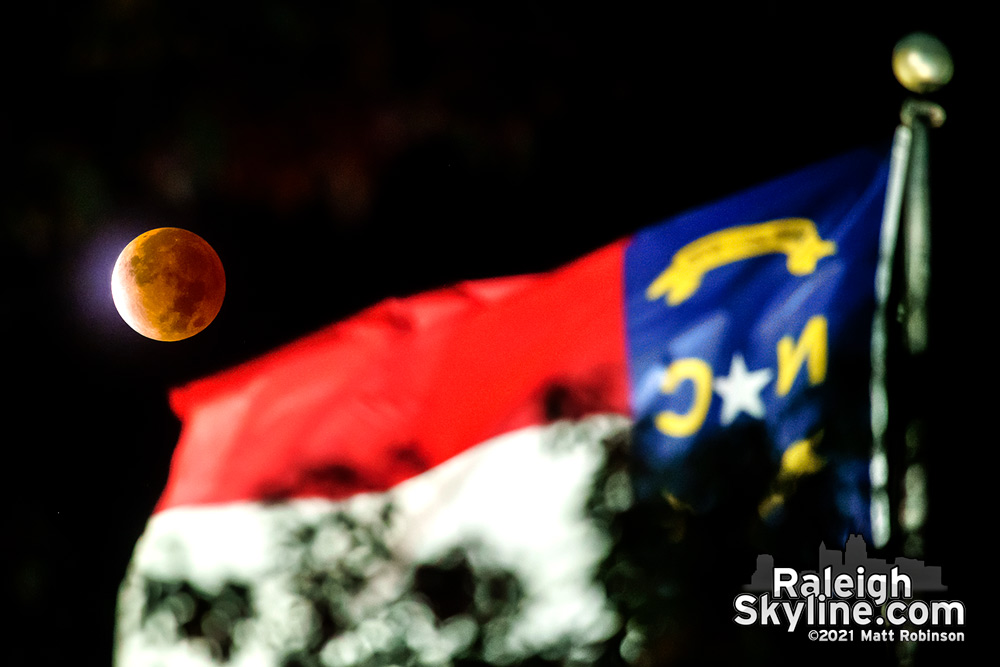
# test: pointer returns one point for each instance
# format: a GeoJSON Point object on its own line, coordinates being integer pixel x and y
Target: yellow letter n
{"type": "Point", "coordinates": [700, 373]}
{"type": "Point", "coordinates": [812, 345]}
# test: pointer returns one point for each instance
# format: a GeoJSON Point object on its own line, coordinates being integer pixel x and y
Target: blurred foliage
{"type": "Point", "coordinates": [670, 577]}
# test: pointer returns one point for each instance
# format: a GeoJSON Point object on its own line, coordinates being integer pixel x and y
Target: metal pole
{"type": "Point", "coordinates": [919, 116]}
{"type": "Point", "coordinates": [922, 64]}
{"type": "Point", "coordinates": [882, 505]}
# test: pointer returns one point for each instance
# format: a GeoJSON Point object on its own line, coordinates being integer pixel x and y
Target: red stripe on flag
{"type": "Point", "coordinates": [405, 385]}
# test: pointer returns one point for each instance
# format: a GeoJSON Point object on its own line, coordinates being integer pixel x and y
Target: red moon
{"type": "Point", "coordinates": [168, 284]}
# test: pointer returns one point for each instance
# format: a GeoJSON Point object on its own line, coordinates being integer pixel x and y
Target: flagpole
{"type": "Point", "coordinates": [881, 506]}
{"type": "Point", "coordinates": [922, 65]}
{"type": "Point", "coordinates": [919, 116]}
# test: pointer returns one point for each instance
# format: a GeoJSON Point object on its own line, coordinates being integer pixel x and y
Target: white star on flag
{"type": "Point", "coordinates": [740, 390]}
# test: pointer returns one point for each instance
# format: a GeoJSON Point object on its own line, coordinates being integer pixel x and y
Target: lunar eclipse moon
{"type": "Point", "coordinates": [168, 284]}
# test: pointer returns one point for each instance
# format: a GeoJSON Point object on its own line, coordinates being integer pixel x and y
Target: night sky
{"type": "Point", "coordinates": [335, 154]}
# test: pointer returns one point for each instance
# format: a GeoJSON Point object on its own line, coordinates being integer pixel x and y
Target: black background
{"type": "Point", "coordinates": [335, 154]}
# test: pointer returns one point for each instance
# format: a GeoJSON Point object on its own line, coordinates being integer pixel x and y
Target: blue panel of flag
{"type": "Point", "coordinates": [748, 328]}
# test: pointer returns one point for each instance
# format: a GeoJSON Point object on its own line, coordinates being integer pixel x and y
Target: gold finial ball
{"type": "Point", "coordinates": [922, 63]}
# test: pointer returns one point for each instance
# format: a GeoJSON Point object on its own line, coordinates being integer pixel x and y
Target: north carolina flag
{"type": "Point", "coordinates": [418, 484]}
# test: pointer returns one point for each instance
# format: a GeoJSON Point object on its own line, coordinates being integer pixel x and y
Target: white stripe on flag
{"type": "Point", "coordinates": [515, 504]}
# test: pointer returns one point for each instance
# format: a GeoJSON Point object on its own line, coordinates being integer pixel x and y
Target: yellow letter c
{"type": "Point", "coordinates": [700, 373]}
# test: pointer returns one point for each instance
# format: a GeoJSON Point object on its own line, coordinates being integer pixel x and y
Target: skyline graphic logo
{"type": "Point", "coordinates": [851, 591]}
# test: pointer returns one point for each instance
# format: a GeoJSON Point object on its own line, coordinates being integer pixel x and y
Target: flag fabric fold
{"type": "Point", "coordinates": [404, 386]}
{"type": "Point", "coordinates": [462, 433]}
